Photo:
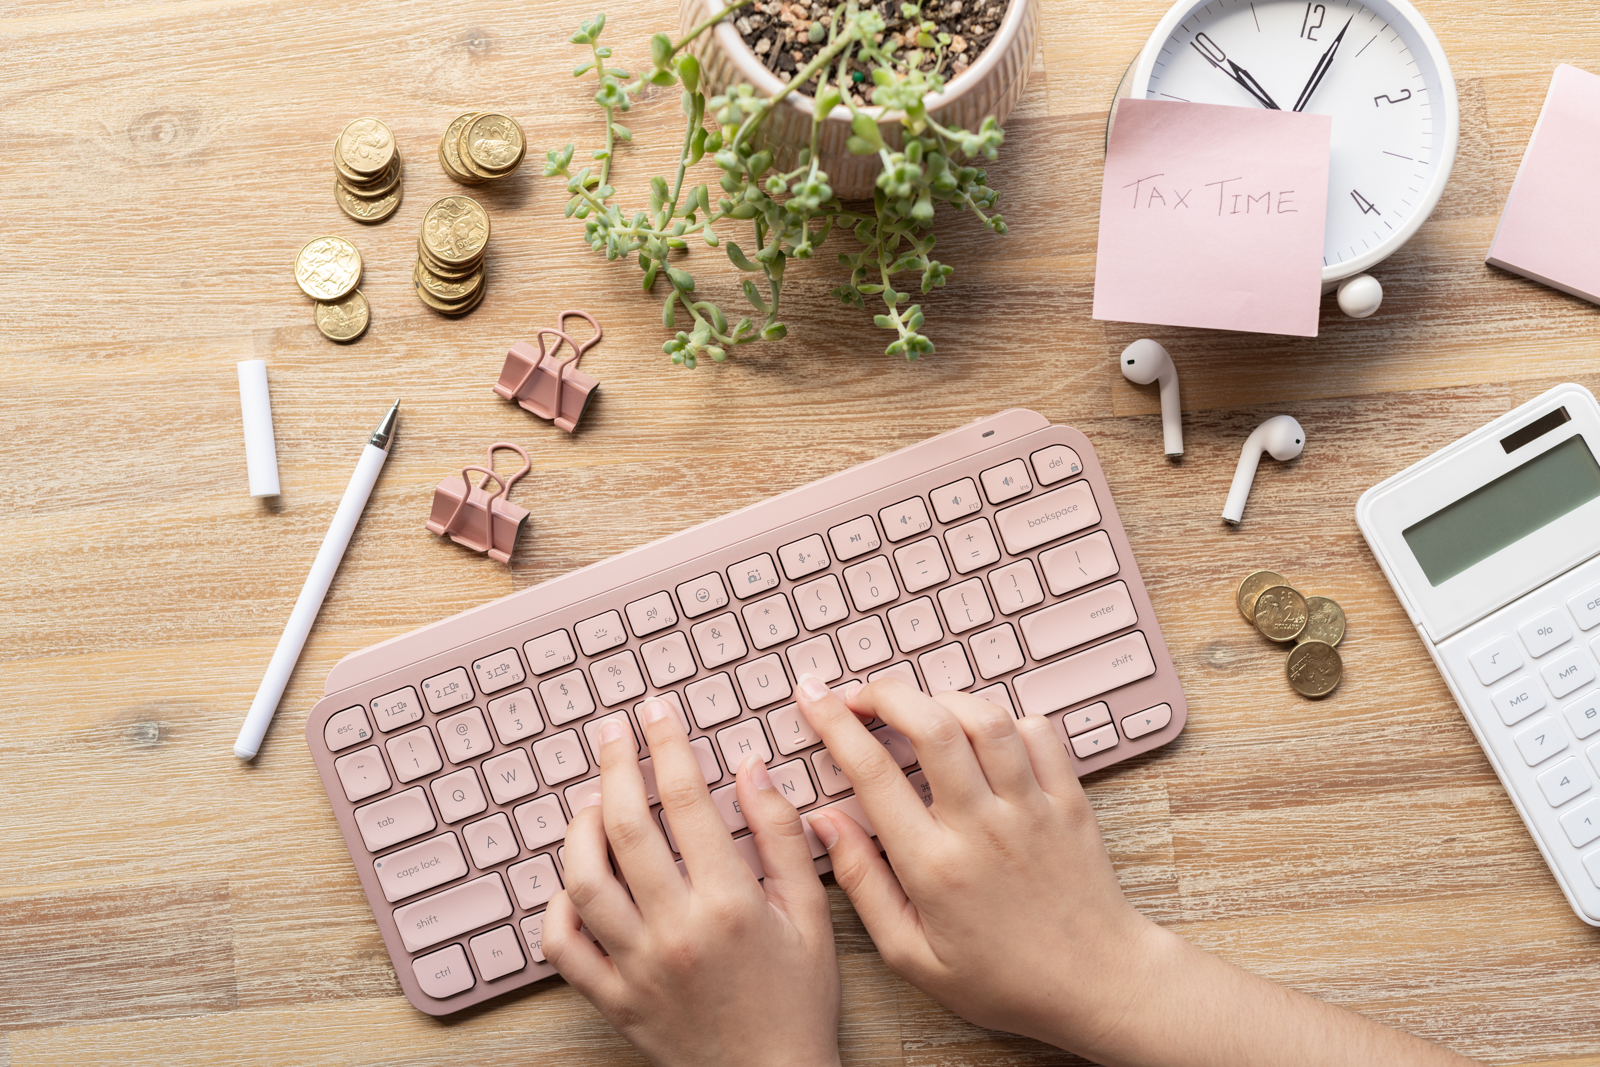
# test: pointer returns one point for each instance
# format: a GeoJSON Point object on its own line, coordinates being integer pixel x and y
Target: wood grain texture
{"type": "Point", "coordinates": [164, 159]}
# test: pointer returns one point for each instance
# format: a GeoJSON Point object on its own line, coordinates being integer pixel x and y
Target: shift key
{"type": "Point", "coordinates": [453, 912]}
{"type": "Point", "coordinates": [1086, 674]}
{"type": "Point", "coordinates": [1045, 518]}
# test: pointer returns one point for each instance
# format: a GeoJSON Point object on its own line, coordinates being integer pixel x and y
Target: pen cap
{"type": "Point", "coordinates": [260, 450]}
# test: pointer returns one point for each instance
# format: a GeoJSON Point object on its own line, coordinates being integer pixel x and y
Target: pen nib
{"type": "Point", "coordinates": [385, 432]}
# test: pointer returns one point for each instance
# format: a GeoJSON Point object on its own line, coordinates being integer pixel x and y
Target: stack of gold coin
{"type": "Point", "coordinates": [328, 269]}
{"type": "Point", "coordinates": [481, 146]}
{"type": "Point", "coordinates": [450, 275]}
{"type": "Point", "coordinates": [1315, 625]}
{"type": "Point", "coordinates": [367, 186]}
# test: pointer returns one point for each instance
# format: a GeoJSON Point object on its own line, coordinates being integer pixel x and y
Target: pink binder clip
{"type": "Point", "coordinates": [550, 386]}
{"type": "Point", "coordinates": [475, 518]}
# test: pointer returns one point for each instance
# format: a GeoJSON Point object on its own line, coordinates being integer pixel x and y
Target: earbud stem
{"type": "Point", "coordinates": [1243, 478]}
{"type": "Point", "coordinates": [1171, 416]}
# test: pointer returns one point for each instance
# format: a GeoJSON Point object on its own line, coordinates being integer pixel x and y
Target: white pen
{"type": "Point", "coordinates": [316, 587]}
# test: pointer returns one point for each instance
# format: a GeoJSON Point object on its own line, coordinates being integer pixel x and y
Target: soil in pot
{"type": "Point", "coordinates": [780, 33]}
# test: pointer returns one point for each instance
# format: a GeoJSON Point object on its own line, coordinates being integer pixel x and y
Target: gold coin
{"type": "Point", "coordinates": [493, 143]}
{"type": "Point", "coordinates": [366, 209]}
{"type": "Point", "coordinates": [344, 320]}
{"type": "Point", "coordinates": [450, 150]}
{"type": "Point", "coordinates": [1315, 668]}
{"type": "Point", "coordinates": [327, 268]}
{"type": "Point", "coordinates": [1251, 588]}
{"type": "Point", "coordinates": [456, 230]}
{"type": "Point", "coordinates": [449, 308]}
{"type": "Point", "coordinates": [1280, 613]}
{"type": "Point", "coordinates": [381, 183]}
{"type": "Point", "coordinates": [446, 289]}
{"type": "Point", "coordinates": [1324, 621]}
{"type": "Point", "coordinates": [449, 273]}
{"type": "Point", "coordinates": [366, 146]}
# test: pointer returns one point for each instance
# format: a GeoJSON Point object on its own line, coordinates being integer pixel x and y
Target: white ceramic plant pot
{"type": "Point", "coordinates": [991, 86]}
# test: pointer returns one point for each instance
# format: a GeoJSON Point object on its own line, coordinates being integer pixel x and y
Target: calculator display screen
{"type": "Point", "coordinates": [1506, 510]}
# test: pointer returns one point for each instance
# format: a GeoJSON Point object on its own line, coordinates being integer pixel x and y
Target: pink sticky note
{"type": "Point", "coordinates": [1550, 228]}
{"type": "Point", "coordinates": [1213, 216]}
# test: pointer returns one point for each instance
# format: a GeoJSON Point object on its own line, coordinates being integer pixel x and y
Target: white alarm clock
{"type": "Point", "coordinates": [1375, 67]}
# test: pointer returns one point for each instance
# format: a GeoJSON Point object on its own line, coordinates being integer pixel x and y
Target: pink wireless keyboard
{"type": "Point", "coordinates": [987, 559]}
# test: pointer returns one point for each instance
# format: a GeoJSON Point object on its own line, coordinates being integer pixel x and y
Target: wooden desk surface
{"type": "Point", "coordinates": [163, 161]}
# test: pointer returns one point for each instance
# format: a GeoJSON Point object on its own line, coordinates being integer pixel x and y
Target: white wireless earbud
{"type": "Point", "coordinates": [1144, 362]}
{"type": "Point", "coordinates": [1281, 437]}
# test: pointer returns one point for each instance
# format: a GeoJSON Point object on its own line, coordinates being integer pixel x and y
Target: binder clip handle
{"type": "Point", "coordinates": [574, 313]}
{"type": "Point", "coordinates": [488, 461]}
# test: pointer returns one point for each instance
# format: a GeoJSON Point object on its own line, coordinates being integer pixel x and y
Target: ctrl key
{"type": "Point", "coordinates": [444, 973]}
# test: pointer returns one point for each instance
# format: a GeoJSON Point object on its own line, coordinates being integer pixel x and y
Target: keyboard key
{"type": "Point", "coordinates": [515, 716]}
{"type": "Point", "coordinates": [1044, 518]}
{"type": "Point", "coordinates": [668, 659]}
{"type": "Point", "coordinates": [821, 602]}
{"type": "Point", "coordinates": [915, 625]}
{"type": "Point", "coordinates": [719, 640]}
{"type": "Point", "coordinates": [790, 730]}
{"type": "Point", "coordinates": [1583, 714]}
{"type": "Point", "coordinates": [1077, 563]}
{"type": "Point", "coordinates": [541, 821]}
{"type": "Point", "coordinates": [672, 699]}
{"type": "Point", "coordinates": [533, 934]}
{"type": "Point", "coordinates": [805, 556]}
{"type": "Point", "coordinates": [592, 728]}
{"type": "Point", "coordinates": [755, 575]}
{"type": "Point", "coordinates": [1495, 660]}
{"type": "Point", "coordinates": [452, 913]}
{"type": "Point", "coordinates": [1085, 719]}
{"type": "Point", "coordinates": [560, 757]}
{"type": "Point", "coordinates": [972, 546]}
{"type": "Point", "coordinates": [490, 840]}
{"type": "Point", "coordinates": [871, 583]}
{"type": "Point", "coordinates": [711, 700]}
{"type": "Point", "coordinates": [1095, 741]}
{"type": "Point", "coordinates": [497, 953]}
{"type": "Point", "coordinates": [362, 773]}
{"type": "Point", "coordinates": [946, 668]}
{"type": "Point", "coordinates": [705, 593]}
{"type": "Point", "coordinates": [394, 819]}
{"type": "Point", "coordinates": [898, 744]}
{"type": "Point", "coordinates": [709, 768]}
{"type": "Point", "coordinates": [793, 782]}
{"type": "Point", "coordinates": [865, 643]}
{"type": "Point", "coordinates": [814, 656]}
{"type": "Point", "coordinates": [1055, 462]}
{"type": "Point", "coordinates": [399, 708]}
{"type": "Point", "coordinates": [1537, 743]}
{"type": "Point", "coordinates": [448, 690]}
{"type": "Point", "coordinates": [998, 695]}
{"type": "Point", "coordinates": [617, 678]}
{"type": "Point", "coordinates": [762, 681]}
{"type": "Point", "coordinates": [420, 867]}
{"type": "Point", "coordinates": [459, 795]}
{"type": "Point", "coordinates": [345, 728]}
{"type": "Point", "coordinates": [1591, 863]}
{"type": "Point", "coordinates": [602, 632]}
{"type": "Point", "coordinates": [465, 735]}
{"type": "Point", "coordinates": [902, 670]}
{"type": "Point", "coordinates": [1518, 700]}
{"type": "Point", "coordinates": [921, 564]}
{"type": "Point", "coordinates": [996, 651]}
{"type": "Point", "coordinates": [966, 605]}
{"type": "Point", "coordinates": [1564, 781]}
{"type": "Point", "coordinates": [1585, 607]}
{"type": "Point", "coordinates": [1083, 675]}
{"type": "Point", "coordinates": [444, 973]}
{"type": "Point", "coordinates": [1582, 823]}
{"type": "Point", "coordinates": [829, 774]}
{"type": "Point", "coordinates": [951, 502]}
{"type": "Point", "coordinates": [651, 614]}
{"type": "Point", "coordinates": [919, 782]}
{"type": "Point", "coordinates": [1147, 721]}
{"type": "Point", "coordinates": [769, 621]}
{"type": "Point", "coordinates": [1544, 633]}
{"type": "Point", "coordinates": [1079, 620]}
{"type": "Point", "coordinates": [849, 806]}
{"type": "Point", "coordinates": [1567, 673]}
{"type": "Point", "coordinates": [854, 538]}
{"type": "Point", "coordinates": [566, 697]}
{"type": "Point", "coordinates": [498, 671]}
{"type": "Point", "coordinates": [1016, 586]}
{"type": "Point", "coordinates": [905, 519]}
{"type": "Point", "coordinates": [413, 754]}
{"type": "Point", "coordinates": [741, 741]}
{"type": "Point", "coordinates": [1006, 481]}
{"type": "Point", "coordinates": [510, 777]}
{"type": "Point", "coordinates": [550, 652]}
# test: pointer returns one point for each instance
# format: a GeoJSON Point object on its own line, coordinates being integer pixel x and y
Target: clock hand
{"type": "Point", "coordinates": [1251, 86]}
{"type": "Point", "coordinates": [1321, 68]}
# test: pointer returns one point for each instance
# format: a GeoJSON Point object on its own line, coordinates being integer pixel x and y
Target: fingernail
{"type": "Point", "coordinates": [757, 772]}
{"type": "Point", "coordinates": [610, 730]}
{"type": "Point", "coordinates": [813, 687]}
{"type": "Point", "coordinates": [592, 800]}
{"type": "Point", "coordinates": [655, 709]}
{"type": "Point", "coordinates": [822, 826]}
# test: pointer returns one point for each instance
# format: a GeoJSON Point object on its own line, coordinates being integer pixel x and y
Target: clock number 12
{"type": "Point", "coordinates": [1308, 29]}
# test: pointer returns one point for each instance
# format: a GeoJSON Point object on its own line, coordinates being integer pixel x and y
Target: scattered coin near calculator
{"type": "Point", "coordinates": [1314, 624]}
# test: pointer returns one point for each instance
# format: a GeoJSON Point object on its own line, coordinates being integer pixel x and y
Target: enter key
{"type": "Point", "coordinates": [1078, 620]}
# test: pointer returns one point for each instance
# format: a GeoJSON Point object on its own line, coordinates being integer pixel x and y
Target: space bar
{"type": "Point", "coordinates": [1085, 674]}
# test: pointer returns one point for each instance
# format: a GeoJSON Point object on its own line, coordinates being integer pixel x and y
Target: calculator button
{"type": "Point", "coordinates": [459, 795]}
{"type": "Point", "coordinates": [1054, 463]}
{"type": "Point", "coordinates": [1546, 632]}
{"type": "Point", "coordinates": [1006, 481]}
{"type": "Point", "coordinates": [996, 651]}
{"type": "Point", "coordinates": [755, 575]}
{"type": "Point", "coordinates": [966, 605]}
{"type": "Point", "coordinates": [345, 728]}
{"type": "Point", "coordinates": [854, 538]}
{"type": "Point", "coordinates": [1077, 563]}
{"type": "Point", "coordinates": [1583, 714]}
{"type": "Point", "coordinates": [972, 546]}
{"type": "Point", "coordinates": [464, 736]}
{"type": "Point", "coordinates": [515, 716]}
{"type": "Point", "coordinates": [805, 556]}
{"type": "Point", "coordinates": [915, 625]}
{"type": "Point", "coordinates": [1044, 518]}
{"type": "Point", "coordinates": [444, 973]}
{"type": "Point", "coordinates": [600, 633]}
{"type": "Point", "coordinates": [497, 953]}
{"type": "Point", "coordinates": [1495, 660]}
{"type": "Point", "coordinates": [651, 614]}
{"type": "Point", "coordinates": [397, 709]}
{"type": "Point", "coordinates": [1582, 823]}
{"type": "Point", "coordinates": [1085, 719]}
{"type": "Point", "coordinates": [921, 564]}
{"type": "Point", "coordinates": [510, 777]}
{"type": "Point", "coordinates": [560, 757]}
{"type": "Point", "coordinates": [1086, 745]}
{"type": "Point", "coordinates": [1585, 607]}
{"type": "Point", "coordinates": [452, 913]}
{"type": "Point", "coordinates": [550, 652]}
{"type": "Point", "coordinates": [490, 840]}
{"type": "Point", "coordinates": [448, 690]}
{"type": "Point", "coordinates": [1564, 781]}
{"type": "Point", "coordinates": [705, 593]}
{"type": "Point", "coordinates": [420, 867]}
{"type": "Point", "coordinates": [1545, 738]}
{"type": "Point", "coordinates": [719, 640]}
{"type": "Point", "coordinates": [499, 671]}
{"type": "Point", "coordinates": [1518, 700]}
{"type": "Point", "coordinates": [413, 754]}
{"type": "Point", "coordinates": [1016, 586]}
{"type": "Point", "coordinates": [362, 773]}
{"type": "Point", "coordinates": [951, 502]}
{"type": "Point", "coordinates": [769, 621]}
{"type": "Point", "coordinates": [905, 519]}
{"type": "Point", "coordinates": [393, 819]}
{"type": "Point", "coordinates": [617, 678]}
{"type": "Point", "coordinates": [566, 697]}
{"type": "Point", "coordinates": [1567, 673]}
{"type": "Point", "coordinates": [1147, 722]}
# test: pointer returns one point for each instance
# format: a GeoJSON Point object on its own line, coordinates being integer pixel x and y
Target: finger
{"type": "Point", "coordinates": [891, 802]}
{"type": "Point", "coordinates": [1002, 755]}
{"type": "Point", "coordinates": [936, 735]}
{"type": "Point", "coordinates": [866, 878]}
{"type": "Point", "coordinates": [791, 881]}
{"type": "Point", "coordinates": [636, 841]}
{"type": "Point", "coordinates": [1051, 766]}
{"type": "Point", "coordinates": [697, 827]}
{"type": "Point", "coordinates": [576, 958]}
{"type": "Point", "coordinates": [592, 886]}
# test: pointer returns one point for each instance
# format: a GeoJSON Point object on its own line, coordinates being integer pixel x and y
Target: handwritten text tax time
{"type": "Point", "coordinates": [1232, 197]}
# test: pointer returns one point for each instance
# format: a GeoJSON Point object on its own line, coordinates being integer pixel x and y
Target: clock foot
{"type": "Point", "coordinates": [1360, 296]}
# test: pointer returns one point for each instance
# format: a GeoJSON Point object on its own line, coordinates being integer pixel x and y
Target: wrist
{"type": "Point", "coordinates": [1117, 991]}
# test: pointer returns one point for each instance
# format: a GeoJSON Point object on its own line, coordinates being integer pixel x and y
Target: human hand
{"type": "Point", "coordinates": [712, 968]}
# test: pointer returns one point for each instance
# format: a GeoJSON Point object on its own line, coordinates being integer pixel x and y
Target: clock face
{"type": "Point", "coordinates": [1367, 65]}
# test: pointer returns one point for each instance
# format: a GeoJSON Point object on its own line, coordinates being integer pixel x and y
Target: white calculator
{"type": "Point", "coordinates": [1493, 545]}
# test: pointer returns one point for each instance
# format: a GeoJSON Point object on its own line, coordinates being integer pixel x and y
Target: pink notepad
{"type": "Point", "coordinates": [1213, 216]}
{"type": "Point", "coordinates": [1550, 228]}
